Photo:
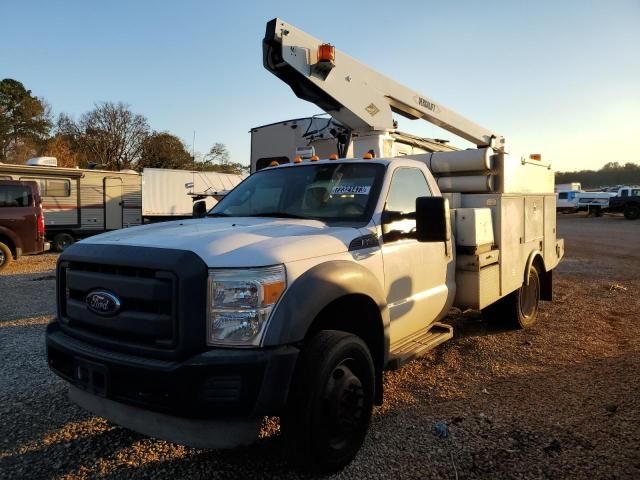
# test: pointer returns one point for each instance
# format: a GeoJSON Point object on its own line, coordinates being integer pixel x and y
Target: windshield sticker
{"type": "Point", "coordinates": [351, 189]}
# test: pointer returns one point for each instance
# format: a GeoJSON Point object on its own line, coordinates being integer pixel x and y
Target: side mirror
{"type": "Point", "coordinates": [433, 223]}
{"type": "Point", "coordinates": [199, 209]}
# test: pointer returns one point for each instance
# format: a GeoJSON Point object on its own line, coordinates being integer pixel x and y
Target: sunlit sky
{"type": "Point", "coordinates": [559, 78]}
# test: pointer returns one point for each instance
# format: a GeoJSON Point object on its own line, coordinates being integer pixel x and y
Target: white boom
{"type": "Point", "coordinates": [353, 93]}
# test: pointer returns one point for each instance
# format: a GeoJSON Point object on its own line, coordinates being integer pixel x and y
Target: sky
{"type": "Point", "coordinates": [557, 78]}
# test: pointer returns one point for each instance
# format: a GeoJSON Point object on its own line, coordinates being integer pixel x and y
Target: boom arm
{"type": "Point", "coordinates": [356, 95]}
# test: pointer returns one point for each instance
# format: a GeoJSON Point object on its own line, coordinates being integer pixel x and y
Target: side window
{"type": "Point", "coordinates": [15, 196]}
{"type": "Point", "coordinates": [58, 188]}
{"type": "Point", "coordinates": [52, 187]}
{"type": "Point", "coordinates": [407, 184]}
{"type": "Point", "coordinates": [624, 193]}
{"type": "Point", "coordinates": [563, 195]}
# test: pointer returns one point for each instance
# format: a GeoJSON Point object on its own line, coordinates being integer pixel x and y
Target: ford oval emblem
{"type": "Point", "coordinates": [102, 302]}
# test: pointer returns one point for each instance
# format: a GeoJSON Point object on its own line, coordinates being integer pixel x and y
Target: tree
{"type": "Point", "coordinates": [110, 135]}
{"type": "Point", "coordinates": [217, 160]}
{"type": "Point", "coordinates": [164, 150]}
{"type": "Point", "coordinates": [60, 147]}
{"type": "Point", "coordinates": [25, 121]}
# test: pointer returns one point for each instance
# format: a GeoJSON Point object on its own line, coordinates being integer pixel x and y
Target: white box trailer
{"type": "Point", "coordinates": [169, 193]}
{"type": "Point", "coordinates": [323, 137]}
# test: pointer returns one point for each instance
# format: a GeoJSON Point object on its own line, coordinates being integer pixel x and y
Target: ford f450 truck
{"type": "Point", "coordinates": [306, 282]}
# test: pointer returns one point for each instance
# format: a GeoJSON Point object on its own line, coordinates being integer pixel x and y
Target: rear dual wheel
{"type": "Point", "coordinates": [330, 402]}
{"type": "Point", "coordinates": [519, 309]}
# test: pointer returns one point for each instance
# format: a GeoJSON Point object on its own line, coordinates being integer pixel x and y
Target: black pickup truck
{"type": "Point", "coordinates": [627, 201]}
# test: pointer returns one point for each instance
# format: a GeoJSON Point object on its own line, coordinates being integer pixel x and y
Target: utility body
{"type": "Point", "coordinates": [307, 281]}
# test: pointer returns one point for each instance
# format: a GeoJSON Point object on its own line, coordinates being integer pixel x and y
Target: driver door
{"type": "Point", "coordinates": [415, 273]}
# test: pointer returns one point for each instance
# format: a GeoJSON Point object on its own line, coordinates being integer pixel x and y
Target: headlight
{"type": "Point", "coordinates": [240, 302]}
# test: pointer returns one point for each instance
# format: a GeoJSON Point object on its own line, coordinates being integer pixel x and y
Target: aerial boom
{"type": "Point", "coordinates": [353, 93]}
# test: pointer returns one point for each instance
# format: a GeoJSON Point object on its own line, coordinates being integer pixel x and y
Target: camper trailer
{"type": "Point", "coordinates": [78, 203]}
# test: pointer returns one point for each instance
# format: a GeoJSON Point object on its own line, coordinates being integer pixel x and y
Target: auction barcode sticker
{"type": "Point", "coordinates": [352, 189]}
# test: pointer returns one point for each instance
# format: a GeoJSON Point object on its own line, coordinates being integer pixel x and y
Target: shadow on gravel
{"type": "Point", "coordinates": [471, 323]}
{"type": "Point", "coordinates": [24, 295]}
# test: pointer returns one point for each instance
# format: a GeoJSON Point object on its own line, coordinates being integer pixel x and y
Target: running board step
{"type": "Point", "coordinates": [419, 344]}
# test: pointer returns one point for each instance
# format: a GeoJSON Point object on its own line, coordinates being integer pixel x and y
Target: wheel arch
{"type": "Point", "coordinates": [546, 276]}
{"type": "Point", "coordinates": [336, 295]}
{"type": "Point", "coordinates": [359, 315]}
{"type": "Point", "coordinates": [10, 240]}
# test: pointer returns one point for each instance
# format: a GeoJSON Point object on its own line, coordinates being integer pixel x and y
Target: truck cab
{"type": "Point", "coordinates": [626, 201]}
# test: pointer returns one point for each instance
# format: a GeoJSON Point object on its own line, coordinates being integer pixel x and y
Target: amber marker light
{"type": "Point", "coordinates": [315, 158]}
{"type": "Point", "coordinates": [333, 156]}
{"type": "Point", "coordinates": [274, 164]}
{"type": "Point", "coordinates": [326, 53]}
{"type": "Point", "coordinates": [367, 156]}
{"type": "Point", "coordinates": [298, 159]}
{"type": "Point", "coordinates": [272, 292]}
{"type": "Point", "coordinates": [535, 156]}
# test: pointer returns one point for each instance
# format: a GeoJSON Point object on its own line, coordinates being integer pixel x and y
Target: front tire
{"type": "Point", "coordinates": [5, 256]}
{"type": "Point", "coordinates": [631, 212]}
{"type": "Point", "coordinates": [519, 309]}
{"type": "Point", "coordinates": [330, 402]}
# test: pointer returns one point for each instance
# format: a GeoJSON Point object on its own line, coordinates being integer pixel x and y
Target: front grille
{"type": "Point", "coordinates": [147, 315]}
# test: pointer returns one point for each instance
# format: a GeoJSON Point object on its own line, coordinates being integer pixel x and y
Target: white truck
{"type": "Point", "coordinates": [306, 282]}
{"type": "Point", "coordinates": [567, 196]}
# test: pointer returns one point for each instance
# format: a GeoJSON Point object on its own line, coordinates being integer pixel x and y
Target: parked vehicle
{"type": "Point", "coordinates": [169, 194]}
{"type": "Point", "coordinates": [21, 221]}
{"type": "Point", "coordinates": [81, 202]}
{"type": "Point", "coordinates": [595, 203]}
{"type": "Point", "coordinates": [78, 203]}
{"type": "Point", "coordinates": [627, 201]}
{"type": "Point", "coordinates": [309, 279]}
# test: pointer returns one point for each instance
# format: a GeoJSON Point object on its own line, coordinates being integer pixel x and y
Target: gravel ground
{"type": "Point", "coordinates": [558, 401]}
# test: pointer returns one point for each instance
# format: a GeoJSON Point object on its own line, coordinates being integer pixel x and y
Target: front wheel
{"type": "Point", "coordinates": [5, 256]}
{"type": "Point", "coordinates": [631, 212]}
{"type": "Point", "coordinates": [519, 309]}
{"type": "Point", "coordinates": [330, 402]}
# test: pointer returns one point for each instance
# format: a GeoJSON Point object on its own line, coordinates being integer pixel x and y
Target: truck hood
{"type": "Point", "coordinates": [238, 242]}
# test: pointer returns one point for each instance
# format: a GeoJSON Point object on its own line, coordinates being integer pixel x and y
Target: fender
{"type": "Point", "coordinates": [527, 268]}
{"type": "Point", "coordinates": [313, 291]}
{"type": "Point", "coordinates": [10, 234]}
{"type": "Point", "coordinates": [546, 277]}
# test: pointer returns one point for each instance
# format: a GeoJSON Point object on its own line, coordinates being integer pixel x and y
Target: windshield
{"type": "Point", "coordinates": [329, 192]}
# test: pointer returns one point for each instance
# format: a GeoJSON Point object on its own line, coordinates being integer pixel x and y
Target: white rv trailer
{"type": "Point", "coordinates": [81, 202]}
{"type": "Point", "coordinates": [324, 136]}
{"type": "Point", "coordinates": [168, 194]}
{"type": "Point", "coordinates": [78, 202]}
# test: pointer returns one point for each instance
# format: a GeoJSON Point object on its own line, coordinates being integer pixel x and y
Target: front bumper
{"type": "Point", "coordinates": [219, 383]}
